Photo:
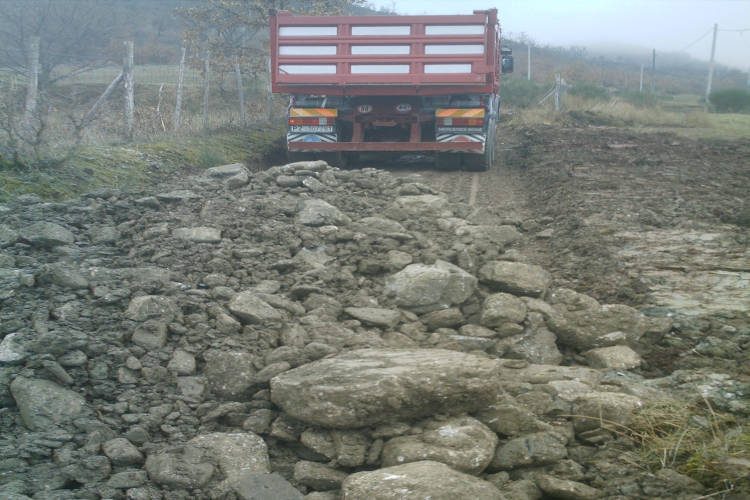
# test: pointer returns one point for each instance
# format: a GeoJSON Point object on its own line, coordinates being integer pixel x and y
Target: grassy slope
{"type": "Point", "coordinates": [133, 166]}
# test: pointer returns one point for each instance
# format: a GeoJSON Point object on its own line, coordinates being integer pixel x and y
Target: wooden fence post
{"type": "Point", "coordinates": [207, 86]}
{"type": "Point", "coordinates": [178, 105]}
{"type": "Point", "coordinates": [32, 89]}
{"type": "Point", "coordinates": [127, 73]}
{"type": "Point", "coordinates": [240, 90]}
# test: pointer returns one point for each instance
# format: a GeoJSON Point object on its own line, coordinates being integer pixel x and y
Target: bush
{"type": "Point", "coordinates": [730, 100]}
{"type": "Point", "coordinates": [589, 91]}
{"type": "Point", "coordinates": [519, 93]}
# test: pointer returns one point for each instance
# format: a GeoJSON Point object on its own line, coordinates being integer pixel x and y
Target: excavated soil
{"type": "Point", "coordinates": [186, 340]}
{"type": "Point", "coordinates": [655, 221]}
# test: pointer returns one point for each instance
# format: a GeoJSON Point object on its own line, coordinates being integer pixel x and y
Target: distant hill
{"type": "Point", "coordinates": [618, 67]}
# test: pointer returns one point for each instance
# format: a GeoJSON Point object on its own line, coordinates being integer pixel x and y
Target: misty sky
{"type": "Point", "coordinates": [667, 25]}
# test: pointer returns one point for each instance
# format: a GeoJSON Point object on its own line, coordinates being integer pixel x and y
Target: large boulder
{"type": "Point", "coordinates": [230, 373]}
{"type": "Point", "coordinates": [156, 307]}
{"type": "Point", "coordinates": [317, 212]}
{"type": "Point", "coordinates": [419, 205]}
{"type": "Point", "coordinates": [417, 481]}
{"type": "Point", "coordinates": [515, 277]}
{"type": "Point", "coordinates": [232, 454]}
{"type": "Point", "coordinates": [387, 318]}
{"type": "Point", "coordinates": [500, 308]}
{"type": "Point", "coordinates": [46, 235]}
{"type": "Point", "coordinates": [589, 324]}
{"type": "Point", "coordinates": [8, 236]}
{"type": "Point", "coordinates": [44, 404]}
{"type": "Point", "coordinates": [371, 386]}
{"type": "Point", "coordinates": [63, 275]}
{"type": "Point", "coordinates": [251, 308]}
{"type": "Point", "coordinates": [540, 448]}
{"type": "Point", "coordinates": [464, 443]}
{"type": "Point", "coordinates": [430, 287]}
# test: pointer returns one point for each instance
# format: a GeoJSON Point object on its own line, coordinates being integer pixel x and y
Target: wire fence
{"type": "Point", "coordinates": [75, 90]}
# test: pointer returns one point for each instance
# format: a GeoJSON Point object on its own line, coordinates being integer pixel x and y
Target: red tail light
{"type": "Point", "coordinates": [460, 122]}
{"type": "Point", "coordinates": [310, 120]}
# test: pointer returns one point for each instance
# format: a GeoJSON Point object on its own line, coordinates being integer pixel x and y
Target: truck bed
{"type": "Point", "coordinates": [384, 55]}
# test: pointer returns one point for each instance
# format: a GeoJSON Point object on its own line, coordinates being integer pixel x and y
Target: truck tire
{"type": "Point", "coordinates": [484, 161]}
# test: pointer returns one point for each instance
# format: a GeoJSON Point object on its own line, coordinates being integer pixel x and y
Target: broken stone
{"type": "Point", "coordinates": [371, 386]}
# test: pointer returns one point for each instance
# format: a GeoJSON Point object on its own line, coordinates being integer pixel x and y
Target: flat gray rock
{"type": "Point", "coordinates": [258, 486]}
{"type": "Point", "coordinates": [7, 236]}
{"type": "Point", "coordinates": [464, 443]}
{"type": "Point", "coordinates": [250, 308]}
{"type": "Point", "coordinates": [46, 235]}
{"type": "Point", "coordinates": [63, 275]}
{"type": "Point", "coordinates": [234, 454]}
{"type": "Point", "coordinates": [317, 212]}
{"type": "Point", "coordinates": [417, 481]}
{"type": "Point", "coordinates": [230, 373]}
{"type": "Point", "coordinates": [200, 234]}
{"type": "Point", "coordinates": [515, 277]}
{"type": "Point", "coordinates": [178, 195]}
{"type": "Point", "coordinates": [589, 324]}
{"type": "Point", "coordinates": [536, 449]}
{"type": "Point", "coordinates": [371, 386]}
{"type": "Point", "coordinates": [44, 404]}
{"type": "Point", "coordinates": [375, 316]}
{"type": "Point", "coordinates": [500, 308]}
{"type": "Point", "coordinates": [619, 357]}
{"type": "Point", "coordinates": [12, 349]}
{"type": "Point", "coordinates": [225, 171]}
{"type": "Point", "coordinates": [151, 307]}
{"type": "Point", "coordinates": [436, 286]}
{"type": "Point", "coordinates": [565, 489]}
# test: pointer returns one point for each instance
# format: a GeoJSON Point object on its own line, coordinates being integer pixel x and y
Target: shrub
{"type": "Point", "coordinates": [519, 93]}
{"type": "Point", "coordinates": [730, 100]}
{"type": "Point", "coordinates": [589, 91]}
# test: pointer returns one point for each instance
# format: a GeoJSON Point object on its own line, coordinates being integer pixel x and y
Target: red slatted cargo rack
{"type": "Point", "coordinates": [390, 84]}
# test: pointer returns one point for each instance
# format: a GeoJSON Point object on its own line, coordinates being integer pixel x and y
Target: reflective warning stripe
{"type": "Point", "coordinates": [453, 113]}
{"type": "Point", "coordinates": [329, 112]}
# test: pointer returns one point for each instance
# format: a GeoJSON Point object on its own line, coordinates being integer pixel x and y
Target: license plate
{"type": "Point", "coordinates": [312, 129]}
{"type": "Point", "coordinates": [460, 130]}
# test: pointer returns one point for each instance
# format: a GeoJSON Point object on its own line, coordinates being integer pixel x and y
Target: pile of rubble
{"type": "Point", "coordinates": [308, 332]}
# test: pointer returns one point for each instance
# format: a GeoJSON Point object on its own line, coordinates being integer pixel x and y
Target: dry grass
{"type": "Point", "coordinates": [685, 120]}
{"type": "Point", "coordinates": [692, 439]}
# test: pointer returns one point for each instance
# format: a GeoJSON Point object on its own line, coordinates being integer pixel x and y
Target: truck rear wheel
{"type": "Point", "coordinates": [484, 161]}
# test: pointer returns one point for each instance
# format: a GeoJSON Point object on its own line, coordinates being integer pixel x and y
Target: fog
{"type": "Point", "coordinates": [666, 25]}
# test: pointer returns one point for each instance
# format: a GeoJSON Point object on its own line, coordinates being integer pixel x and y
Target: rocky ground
{"type": "Point", "coordinates": [308, 332]}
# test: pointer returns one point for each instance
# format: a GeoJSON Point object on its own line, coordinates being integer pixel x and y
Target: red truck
{"type": "Point", "coordinates": [400, 84]}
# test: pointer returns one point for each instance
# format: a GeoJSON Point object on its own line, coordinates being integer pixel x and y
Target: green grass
{"type": "Point", "coordinates": [133, 167]}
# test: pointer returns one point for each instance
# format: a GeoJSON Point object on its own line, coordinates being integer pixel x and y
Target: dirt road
{"type": "Point", "coordinates": [656, 221]}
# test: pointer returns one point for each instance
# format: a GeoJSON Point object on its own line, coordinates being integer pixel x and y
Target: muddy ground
{"type": "Point", "coordinates": [655, 221]}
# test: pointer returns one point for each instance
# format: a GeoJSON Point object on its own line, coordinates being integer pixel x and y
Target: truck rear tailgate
{"type": "Point", "coordinates": [386, 55]}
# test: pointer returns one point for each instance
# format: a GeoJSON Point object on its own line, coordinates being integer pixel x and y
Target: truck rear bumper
{"type": "Point", "coordinates": [384, 147]}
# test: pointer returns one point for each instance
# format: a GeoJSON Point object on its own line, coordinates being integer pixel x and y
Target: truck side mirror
{"type": "Point", "coordinates": [506, 61]}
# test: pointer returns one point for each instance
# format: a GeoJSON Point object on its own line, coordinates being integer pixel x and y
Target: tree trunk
{"type": "Point", "coordinates": [178, 105]}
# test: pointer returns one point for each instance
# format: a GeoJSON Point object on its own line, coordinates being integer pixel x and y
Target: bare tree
{"type": "Point", "coordinates": [72, 35]}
